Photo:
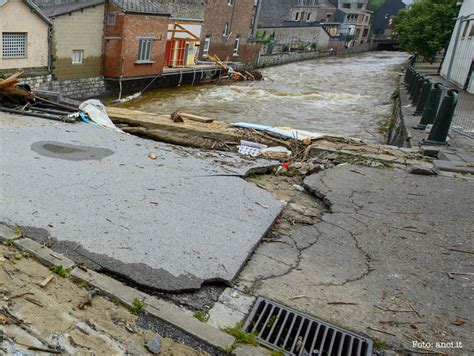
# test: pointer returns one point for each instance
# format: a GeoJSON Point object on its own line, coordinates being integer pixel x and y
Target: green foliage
{"type": "Point", "coordinates": [18, 256]}
{"type": "Point", "coordinates": [241, 336]}
{"type": "Point", "coordinates": [8, 242]}
{"type": "Point", "coordinates": [426, 27]}
{"type": "Point", "coordinates": [378, 344]}
{"type": "Point", "coordinates": [60, 270]}
{"type": "Point", "coordinates": [201, 316]}
{"type": "Point", "coordinates": [137, 305]}
{"type": "Point", "coordinates": [375, 4]}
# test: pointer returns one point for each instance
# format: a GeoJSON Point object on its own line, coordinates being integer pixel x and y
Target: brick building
{"type": "Point", "coordinates": [226, 31]}
{"type": "Point", "coordinates": [135, 39]}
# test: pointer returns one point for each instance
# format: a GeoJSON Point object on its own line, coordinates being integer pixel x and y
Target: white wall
{"type": "Point", "coordinates": [465, 50]}
{"type": "Point", "coordinates": [16, 16]}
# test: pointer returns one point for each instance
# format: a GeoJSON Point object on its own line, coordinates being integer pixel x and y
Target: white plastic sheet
{"type": "Point", "coordinates": [97, 113]}
{"type": "Point", "coordinates": [299, 135]}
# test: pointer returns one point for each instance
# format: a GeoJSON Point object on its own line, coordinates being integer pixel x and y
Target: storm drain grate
{"type": "Point", "coordinates": [283, 328]}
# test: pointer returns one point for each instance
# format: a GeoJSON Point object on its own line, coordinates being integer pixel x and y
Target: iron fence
{"type": "Point", "coordinates": [463, 119]}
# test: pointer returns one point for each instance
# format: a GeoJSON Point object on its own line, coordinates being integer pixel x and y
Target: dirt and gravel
{"type": "Point", "coordinates": [35, 318]}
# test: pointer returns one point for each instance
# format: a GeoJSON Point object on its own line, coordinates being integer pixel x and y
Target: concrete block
{"type": "Point", "coordinates": [43, 254]}
{"type": "Point", "coordinates": [221, 316]}
{"type": "Point", "coordinates": [7, 233]}
{"type": "Point", "coordinates": [237, 300]}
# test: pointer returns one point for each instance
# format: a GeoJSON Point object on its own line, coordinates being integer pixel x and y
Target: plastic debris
{"type": "Point", "coordinates": [286, 132]}
{"type": "Point", "coordinates": [97, 113]}
{"type": "Point", "coordinates": [250, 148]}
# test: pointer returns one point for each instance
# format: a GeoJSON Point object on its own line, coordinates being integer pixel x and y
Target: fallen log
{"type": "Point", "coordinates": [194, 131]}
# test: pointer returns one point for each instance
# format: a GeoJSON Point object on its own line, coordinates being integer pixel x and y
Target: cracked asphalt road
{"type": "Point", "coordinates": [384, 248]}
{"type": "Point", "coordinates": [170, 223]}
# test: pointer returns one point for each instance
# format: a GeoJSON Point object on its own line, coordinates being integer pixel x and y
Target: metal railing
{"type": "Point", "coordinates": [463, 120]}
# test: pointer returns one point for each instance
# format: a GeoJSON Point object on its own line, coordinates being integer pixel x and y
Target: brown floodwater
{"type": "Point", "coordinates": [344, 96]}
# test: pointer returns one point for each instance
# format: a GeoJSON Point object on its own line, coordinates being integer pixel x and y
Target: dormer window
{"type": "Point", "coordinates": [226, 30]}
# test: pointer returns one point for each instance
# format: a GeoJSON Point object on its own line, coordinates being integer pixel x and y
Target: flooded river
{"type": "Point", "coordinates": [345, 96]}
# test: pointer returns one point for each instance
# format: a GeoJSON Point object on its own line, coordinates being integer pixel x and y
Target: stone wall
{"type": "Point", "coordinates": [296, 56]}
{"type": "Point", "coordinates": [74, 89]}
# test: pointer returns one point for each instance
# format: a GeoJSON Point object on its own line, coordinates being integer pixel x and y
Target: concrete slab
{"type": "Point", "coordinates": [169, 223]}
{"type": "Point", "coordinates": [389, 242]}
{"type": "Point", "coordinates": [221, 316]}
{"type": "Point", "coordinates": [454, 166]}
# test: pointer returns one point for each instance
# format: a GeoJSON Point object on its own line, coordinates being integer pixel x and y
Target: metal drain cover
{"type": "Point", "coordinates": [295, 333]}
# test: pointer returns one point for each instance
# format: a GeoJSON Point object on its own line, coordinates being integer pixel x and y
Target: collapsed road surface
{"type": "Point", "coordinates": [160, 216]}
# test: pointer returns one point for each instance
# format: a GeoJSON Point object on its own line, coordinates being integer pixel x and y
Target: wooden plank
{"type": "Point", "coordinates": [196, 118]}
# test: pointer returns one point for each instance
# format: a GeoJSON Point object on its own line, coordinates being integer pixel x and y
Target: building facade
{"type": "Point", "coordinates": [24, 31]}
{"type": "Point", "coordinates": [462, 68]}
{"type": "Point", "coordinates": [135, 39]}
{"type": "Point", "coordinates": [184, 31]}
{"type": "Point", "coordinates": [76, 53]}
{"type": "Point", "coordinates": [226, 31]}
{"type": "Point", "coordinates": [355, 15]}
{"type": "Point", "coordinates": [295, 24]}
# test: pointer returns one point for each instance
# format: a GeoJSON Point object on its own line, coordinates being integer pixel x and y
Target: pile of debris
{"type": "Point", "coordinates": [18, 99]}
{"type": "Point", "coordinates": [233, 75]}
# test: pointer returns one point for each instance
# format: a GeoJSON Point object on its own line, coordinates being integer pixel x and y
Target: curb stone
{"type": "Point", "coordinates": [158, 308]}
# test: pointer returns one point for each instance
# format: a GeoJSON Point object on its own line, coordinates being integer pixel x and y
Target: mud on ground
{"type": "Point", "coordinates": [52, 319]}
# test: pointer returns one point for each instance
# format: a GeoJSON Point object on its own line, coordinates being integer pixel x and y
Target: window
{"type": "Point", "coordinates": [365, 33]}
{"type": "Point", "coordinates": [236, 46]}
{"type": "Point", "coordinates": [230, 2]}
{"type": "Point", "coordinates": [346, 5]}
{"type": "Point", "coordinates": [77, 56]}
{"type": "Point", "coordinates": [471, 33]}
{"type": "Point", "coordinates": [13, 44]}
{"type": "Point", "coordinates": [226, 30]}
{"type": "Point", "coordinates": [297, 16]}
{"type": "Point", "coordinates": [360, 6]}
{"type": "Point", "coordinates": [111, 19]}
{"type": "Point", "coordinates": [308, 16]}
{"type": "Point", "coordinates": [207, 43]}
{"type": "Point", "coordinates": [144, 49]}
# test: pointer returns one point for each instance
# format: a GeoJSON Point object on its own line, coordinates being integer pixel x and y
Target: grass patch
{"type": "Point", "coordinates": [17, 231]}
{"type": "Point", "coordinates": [201, 316]}
{"type": "Point", "coordinates": [379, 344]}
{"type": "Point", "coordinates": [137, 306]}
{"type": "Point", "coordinates": [8, 242]}
{"type": "Point", "coordinates": [79, 282]}
{"type": "Point", "coordinates": [60, 270]}
{"type": "Point", "coordinates": [241, 336]}
{"type": "Point", "coordinates": [18, 256]}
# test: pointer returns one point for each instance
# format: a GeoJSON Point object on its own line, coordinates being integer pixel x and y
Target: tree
{"type": "Point", "coordinates": [425, 27]}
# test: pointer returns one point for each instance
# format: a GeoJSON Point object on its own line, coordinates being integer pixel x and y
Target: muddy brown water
{"type": "Point", "coordinates": [344, 96]}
